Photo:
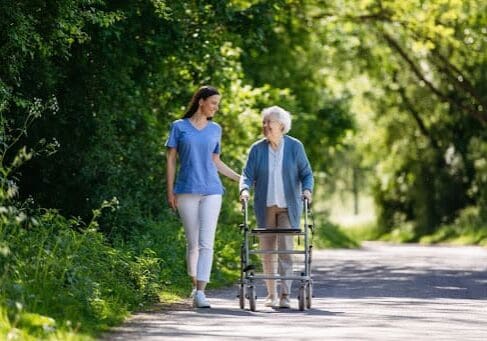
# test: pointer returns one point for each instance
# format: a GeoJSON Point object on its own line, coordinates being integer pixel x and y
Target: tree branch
{"type": "Point", "coordinates": [422, 127]}
{"type": "Point", "coordinates": [480, 116]}
{"type": "Point", "coordinates": [384, 16]}
{"type": "Point", "coordinates": [449, 68]}
{"type": "Point", "coordinates": [465, 83]}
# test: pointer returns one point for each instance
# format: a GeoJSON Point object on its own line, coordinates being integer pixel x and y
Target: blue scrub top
{"type": "Point", "coordinates": [197, 172]}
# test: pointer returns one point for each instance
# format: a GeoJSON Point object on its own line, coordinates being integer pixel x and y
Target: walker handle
{"type": "Point", "coordinates": [245, 205]}
{"type": "Point", "coordinates": [307, 211]}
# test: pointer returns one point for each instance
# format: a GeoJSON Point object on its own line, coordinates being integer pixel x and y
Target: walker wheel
{"type": "Point", "coordinates": [309, 294]}
{"type": "Point", "coordinates": [241, 296]}
{"type": "Point", "coordinates": [302, 296]}
{"type": "Point", "coordinates": [251, 296]}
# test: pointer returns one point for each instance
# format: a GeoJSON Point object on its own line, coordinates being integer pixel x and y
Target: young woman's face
{"type": "Point", "coordinates": [210, 105]}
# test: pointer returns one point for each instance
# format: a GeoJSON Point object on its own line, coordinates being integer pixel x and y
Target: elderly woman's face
{"type": "Point", "coordinates": [271, 127]}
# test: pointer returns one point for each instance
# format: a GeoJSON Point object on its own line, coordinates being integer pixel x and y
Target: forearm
{"type": "Point", "coordinates": [244, 183]}
{"type": "Point", "coordinates": [170, 178]}
{"type": "Point", "coordinates": [230, 173]}
{"type": "Point", "coordinates": [306, 174]}
{"type": "Point", "coordinates": [308, 182]}
{"type": "Point", "coordinates": [225, 170]}
{"type": "Point", "coordinates": [248, 173]}
{"type": "Point", "coordinates": [170, 172]}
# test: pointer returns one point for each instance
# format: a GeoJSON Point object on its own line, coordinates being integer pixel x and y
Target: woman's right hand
{"type": "Point", "coordinates": [307, 195]}
{"type": "Point", "coordinates": [244, 195]}
{"type": "Point", "coordinates": [171, 199]}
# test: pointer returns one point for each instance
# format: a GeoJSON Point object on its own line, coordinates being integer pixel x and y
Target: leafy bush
{"type": "Point", "coordinates": [56, 267]}
{"type": "Point", "coordinates": [469, 228]}
{"type": "Point", "coordinates": [330, 235]}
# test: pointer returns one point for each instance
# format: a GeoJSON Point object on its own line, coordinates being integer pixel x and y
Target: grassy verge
{"type": "Point", "coordinates": [330, 235]}
{"type": "Point", "coordinates": [337, 225]}
{"type": "Point", "coordinates": [468, 229]}
{"type": "Point", "coordinates": [61, 280]}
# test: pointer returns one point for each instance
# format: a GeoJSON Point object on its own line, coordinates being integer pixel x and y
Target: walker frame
{"type": "Point", "coordinates": [248, 277]}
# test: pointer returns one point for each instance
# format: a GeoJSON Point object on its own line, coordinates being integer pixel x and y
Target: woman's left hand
{"type": "Point", "coordinates": [307, 195]}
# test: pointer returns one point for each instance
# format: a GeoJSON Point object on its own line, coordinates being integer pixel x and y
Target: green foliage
{"type": "Point", "coordinates": [392, 89]}
{"type": "Point", "coordinates": [415, 70]}
{"type": "Point", "coordinates": [329, 235]}
{"type": "Point", "coordinates": [292, 57]}
{"type": "Point", "coordinates": [477, 155]}
{"type": "Point", "coordinates": [56, 278]}
{"type": "Point", "coordinates": [469, 228]}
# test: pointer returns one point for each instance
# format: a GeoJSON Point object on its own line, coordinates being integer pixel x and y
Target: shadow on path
{"type": "Point", "coordinates": [408, 273]}
{"type": "Point", "coordinates": [373, 293]}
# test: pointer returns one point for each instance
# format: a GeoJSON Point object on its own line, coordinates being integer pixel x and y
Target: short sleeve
{"type": "Point", "coordinates": [217, 149]}
{"type": "Point", "coordinates": [172, 140]}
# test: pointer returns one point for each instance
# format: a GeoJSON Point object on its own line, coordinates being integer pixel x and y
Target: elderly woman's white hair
{"type": "Point", "coordinates": [281, 115]}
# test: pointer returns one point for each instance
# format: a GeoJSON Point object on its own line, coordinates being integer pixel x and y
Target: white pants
{"type": "Point", "coordinates": [199, 214]}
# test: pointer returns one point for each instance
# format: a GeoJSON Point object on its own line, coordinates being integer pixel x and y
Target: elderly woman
{"type": "Point", "coordinates": [278, 168]}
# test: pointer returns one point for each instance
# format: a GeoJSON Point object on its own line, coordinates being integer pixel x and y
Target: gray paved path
{"type": "Point", "coordinates": [380, 292]}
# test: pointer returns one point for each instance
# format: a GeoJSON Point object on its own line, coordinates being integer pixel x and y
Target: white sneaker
{"type": "Point", "coordinates": [199, 300]}
{"type": "Point", "coordinates": [284, 302]}
{"type": "Point", "coordinates": [271, 301]}
{"type": "Point", "coordinates": [193, 292]}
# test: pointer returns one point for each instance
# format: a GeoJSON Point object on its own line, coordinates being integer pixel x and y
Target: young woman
{"type": "Point", "coordinates": [197, 191]}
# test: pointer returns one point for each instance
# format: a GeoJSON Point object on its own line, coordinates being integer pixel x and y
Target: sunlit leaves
{"type": "Point", "coordinates": [424, 62]}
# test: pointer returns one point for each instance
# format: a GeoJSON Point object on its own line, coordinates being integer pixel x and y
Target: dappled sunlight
{"type": "Point", "coordinates": [387, 98]}
{"type": "Point", "coordinates": [341, 210]}
{"type": "Point", "coordinates": [373, 293]}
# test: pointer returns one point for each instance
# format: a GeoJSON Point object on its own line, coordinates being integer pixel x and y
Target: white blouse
{"type": "Point", "coordinates": [275, 188]}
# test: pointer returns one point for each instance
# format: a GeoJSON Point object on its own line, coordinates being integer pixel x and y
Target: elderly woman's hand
{"type": "Point", "coordinates": [307, 195]}
{"type": "Point", "coordinates": [244, 195]}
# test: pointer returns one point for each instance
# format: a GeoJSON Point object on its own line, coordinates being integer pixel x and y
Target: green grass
{"type": "Point", "coordinates": [60, 282]}
{"type": "Point", "coordinates": [329, 235]}
{"type": "Point", "coordinates": [445, 236]}
{"type": "Point", "coordinates": [337, 224]}
{"type": "Point", "coordinates": [57, 283]}
{"type": "Point", "coordinates": [30, 326]}
{"type": "Point", "coordinates": [468, 229]}
{"type": "Point", "coordinates": [363, 231]}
